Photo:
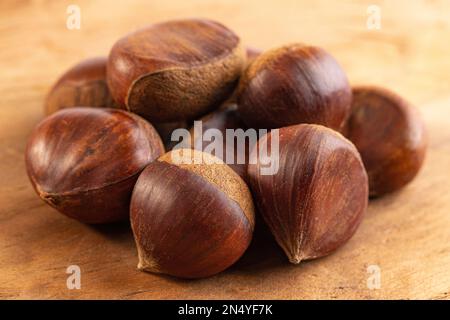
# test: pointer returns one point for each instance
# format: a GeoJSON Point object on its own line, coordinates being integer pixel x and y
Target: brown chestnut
{"type": "Point", "coordinates": [291, 85]}
{"type": "Point", "coordinates": [314, 202]}
{"type": "Point", "coordinates": [85, 161]}
{"type": "Point", "coordinates": [390, 136]}
{"type": "Point", "coordinates": [176, 70]}
{"type": "Point", "coordinates": [82, 85]}
{"type": "Point", "coordinates": [251, 54]}
{"type": "Point", "coordinates": [190, 219]}
{"type": "Point", "coordinates": [165, 130]}
{"type": "Point", "coordinates": [223, 119]}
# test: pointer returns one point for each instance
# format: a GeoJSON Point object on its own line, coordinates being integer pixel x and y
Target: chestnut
{"type": "Point", "coordinates": [165, 130]}
{"type": "Point", "coordinates": [315, 201]}
{"type": "Point", "coordinates": [223, 119]}
{"type": "Point", "coordinates": [291, 85]}
{"type": "Point", "coordinates": [190, 219]}
{"type": "Point", "coordinates": [390, 136]}
{"type": "Point", "coordinates": [251, 54]}
{"type": "Point", "coordinates": [82, 85]}
{"type": "Point", "coordinates": [175, 70]}
{"type": "Point", "coordinates": [85, 161]}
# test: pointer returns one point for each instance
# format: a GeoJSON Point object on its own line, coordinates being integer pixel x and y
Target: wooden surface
{"type": "Point", "coordinates": [406, 234]}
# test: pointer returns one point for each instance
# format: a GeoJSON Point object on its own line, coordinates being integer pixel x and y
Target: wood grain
{"type": "Point", "coordinates": [407, 234]}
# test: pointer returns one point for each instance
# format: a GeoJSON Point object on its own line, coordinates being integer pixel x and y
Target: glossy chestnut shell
{"type": "Point", "coordinates": [85, 161]}
{"type": "Point", "coordinates": [82, 85]}
{"type": "Point", "coordinates": [190, 220]}
{"type": "Point", "coordinates": [291, 85]}
{"type": "Point", "coordinates": [390, 135]}
{"type": "Point", "coordinates": [176, 70]}
{"type": "Point", "coordinates": [316, 199]}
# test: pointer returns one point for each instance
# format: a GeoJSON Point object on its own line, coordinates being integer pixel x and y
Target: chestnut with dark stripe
{"type": "Point", "coordinates": [291, 85]}
{"type": "Point", "coordinates": [85, 161]}
{"type": "Point", "coordinates": [190, 220]}
{"type": "Point", "coordinates": [315, 201]}
{"type": "Point", "coordinates": [176, 70]}
{"type": "Point", "coordinates": [82, 85]}
{"type": "Point", "coordinates": [390, 135]}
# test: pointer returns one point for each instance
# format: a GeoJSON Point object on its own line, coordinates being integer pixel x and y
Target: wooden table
{"type": "Point", "coordinates": [406, 234]}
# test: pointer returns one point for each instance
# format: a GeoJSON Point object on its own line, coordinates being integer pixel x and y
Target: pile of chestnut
{"type": "Point", "coordinates": [104, 154]}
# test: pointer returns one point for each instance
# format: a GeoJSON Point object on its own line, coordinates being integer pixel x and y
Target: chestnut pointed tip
{"type": "Point", "coordinates": [147, 267]}
{"type": "Point", "coordinates": [146, 263]}
{"type": "Point", "coordinates": [52, 199]}
{"type": "Point", "coordinates": [295, 259]}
